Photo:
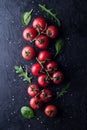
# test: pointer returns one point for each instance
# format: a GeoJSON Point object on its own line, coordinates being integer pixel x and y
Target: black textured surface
{"type": "Point", "coordinates": [73, 14]}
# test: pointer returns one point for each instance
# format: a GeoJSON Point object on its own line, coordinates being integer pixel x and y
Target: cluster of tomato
{"type": "Point", "coordinates": [45, 69]}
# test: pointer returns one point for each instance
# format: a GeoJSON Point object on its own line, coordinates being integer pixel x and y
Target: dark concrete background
{"type": "Point", "coordinates": [73, 14]}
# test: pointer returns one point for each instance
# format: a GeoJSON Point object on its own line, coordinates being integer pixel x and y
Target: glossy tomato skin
{"type": "Point", "coordinates": [58, 77]}
{"type": "Point", "coordinates": [42, 41]}
{"type": "Point", "coordinates": [52, 31]}
{"type": "Point", "coordinates": [28, 52]}
{"type": "Point", "coordinates": [43, 80]}
{"type": "Point", "coordinates": [36, 69]}
{"type": "Point", "coordinates": [52, 67]}
{"type": "Point", "coordinates": [29, 33]}
{"type": "Point", "coordinates": [39, 24]}
{"type": "Point", "coordinates": [44, 56]}
{"type": "Point", "coordinates": [35, 103]}
{"type": "Point", "coordinates": [51, 110]}
{"type": "Point", "coordinates": [33, 90]}
{"type": "Point", "coordinates": [46, 95]}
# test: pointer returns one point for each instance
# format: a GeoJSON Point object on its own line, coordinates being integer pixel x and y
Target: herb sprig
{"type": "Point", "coordinates": [63, 91]}
{"type": "Point", "coordinates": [19, 70]}
{"type": "Point", "coordinates": [49, 11]}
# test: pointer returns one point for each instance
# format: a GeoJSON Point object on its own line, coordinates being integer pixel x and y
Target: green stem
{"type": "Point", "coordinates": [44, 68]}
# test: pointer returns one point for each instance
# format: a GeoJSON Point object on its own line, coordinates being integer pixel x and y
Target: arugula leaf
{"type": "Point", "coordinates": [27, 112]}
{"type": "Point", "coordinates": [19, 70]}
{"type": "Point", "coordinates": [49, 12]}
{"type": "Point", "coordinates": [63, 91]}
{"type": "Point", "coordinates": [26, 17]}
{"type": "Point", "coordinates": [59, 46]}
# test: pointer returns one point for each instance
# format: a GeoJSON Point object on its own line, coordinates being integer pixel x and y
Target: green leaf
{"type": "Point", "coordinates": [59, 46]}
{"type": "Point", "coordinates": [49, 12]}
{"type": "Point", "coordinates": [27, 112]}
{"type": "Point", "coordinates": [19, 70]}
{"type": "Point", "coordinates": [26, 17]}
{"type": "Point", "coordinates": [63, 91]}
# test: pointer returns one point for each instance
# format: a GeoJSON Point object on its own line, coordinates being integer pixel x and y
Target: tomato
{"type": "Point", "coordinates": [51, 110]}
{"type": "Point", "coordinates": [33, 90]}
{"type": "Point", "coordinates": [46, 95]}
{"type": "Point", "coordinates": [36, 69]}
{"type": "Point", "coordinates": [43, 80]}
{"type": "Point", "coordinates": [28, 53]}
{"type": "Point", "coordinates": [51, 66]}
{"type": "Point", "coordinates": [58, 77]}
{"type": "Point", "coordinates": [29, 34]}
{"type": "Point", "coordinates": [39, 24]}
{"type": "Point", "coordinates": [44, 56]}
{"type": "Point", "coordinates": [35, 103]}
{"type": "Point", "coordinates": [52, 31]}
{"type": "Point", "coordinates": [42, 41]}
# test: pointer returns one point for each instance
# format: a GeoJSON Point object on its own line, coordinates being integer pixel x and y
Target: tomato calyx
{"type": "Point", "coordinates": [49, 33]}
{"type": "Point", "coordinates": [28, 35]}
{"type": "Point", "coordinates": [51, 113]}
{"type": "Point", "coordinates": [27, 53]}
{"type": "Point", "coordinates": [38, 28]}
{"type": "Point", "coordinates": [41, 41]}
{"type": "Point", "coordinates": [46, 80]}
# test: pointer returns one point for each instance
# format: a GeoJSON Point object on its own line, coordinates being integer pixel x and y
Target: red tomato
{"type": "Point", "coordinates": [46, 95]}
{"type": "Point", "coordinates": [42, 41]}
{"type": "Point", "coordinates": [29, 34]}
{"type": "Point", "coordinates": [36, 69]}
{"type": "Point", "coordinates": [28, 53]}
{"type": "Point", "coordinates": [35, 103]}
{"type": "Point", "coordinates": [33, 90]}
{"type": "Point", "coordinates": [44, 56]}
{"type": "Point", "coordinates": [58, 77]}
{"type": "Point", "coordinates": [43, 80]}
{"type": "Point", "coordinates": [52, 31]}
{"type": "Point", "coordinates": [51, 110]}
{"type": "Point", "coordinates": [39, 24]}
{"type": "Point", "coordinates": [52, 66]}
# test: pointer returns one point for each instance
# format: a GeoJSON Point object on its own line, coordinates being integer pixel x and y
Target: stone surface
{"type": "Point", "coordinates": [73, 62]}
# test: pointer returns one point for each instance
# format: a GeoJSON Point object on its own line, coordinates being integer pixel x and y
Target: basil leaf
{"type": "Point", "coordinates": [59, 46]}
{"type": "Point", "coordinates": [26, 17]}
{"type": "Point", "coordinates": [27, 112]}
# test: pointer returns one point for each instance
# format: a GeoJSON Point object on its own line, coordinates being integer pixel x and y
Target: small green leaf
{"type": "Point", "coordinates": [19, 70]}
{"type": "Point", "coordinates": [63, 91]}
{"type": "Point", "coordinates": [59, 46]}
{"type": "Point", "coordinates": [26, 17]}
{"type": "Point", "coordinates": [27, 112]}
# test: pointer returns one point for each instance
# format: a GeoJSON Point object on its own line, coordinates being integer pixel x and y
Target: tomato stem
{"type": "Point", "coordinates": [44, 68]}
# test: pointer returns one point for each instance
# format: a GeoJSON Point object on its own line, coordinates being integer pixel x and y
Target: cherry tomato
{"type": "Point", "coordinates": [51, 111]}
{"type": "Point", "coordinates": [39, 24]}
{"type": "Point", "coordinates": [33, 90]}
{"type": "Point", "coordinates": [43, 80]}
{"type": "Point", "coordinates": [44, 56]}
{"type": "Point", "coordinates": [28, 53]}
{"type": "Point", "coordinates": [42, 41]}
{"type": "Point", "coordinates": [29, 34]}
{"type": "Point", "coordinates": [52, 31]}
{"type": "Point", "coordinates": [36, 69]}
{"type": "Point", "coordinates": [46, 95]}
{"type": "Point", "coordinates": [51, 66]}
{"type": "Point", "coordinates": [35, 103]}
{"type": "Point", "coordinates": [58, 77]}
